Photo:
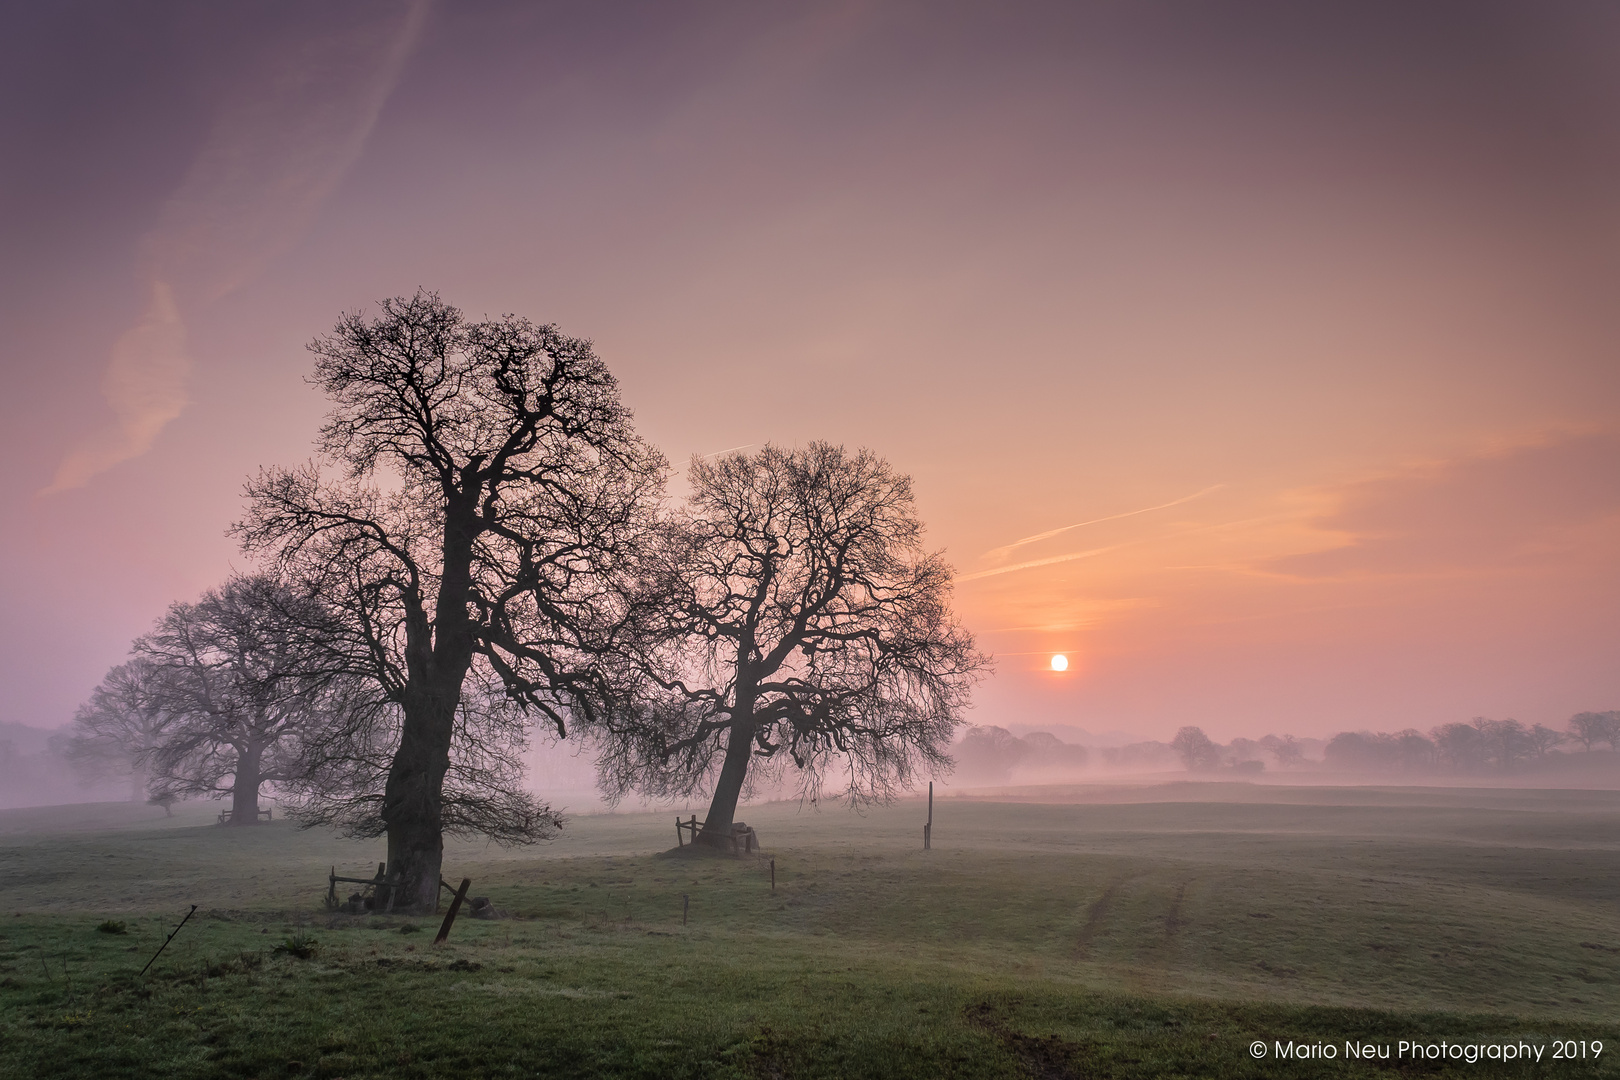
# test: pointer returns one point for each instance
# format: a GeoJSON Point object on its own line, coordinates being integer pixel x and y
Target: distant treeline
{"type": "Point", "coordinates": [990, 755]}
{"type": "Point", "coordinates": [1479, 746]}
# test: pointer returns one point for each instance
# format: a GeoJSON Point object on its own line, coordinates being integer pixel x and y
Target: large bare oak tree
{"type": "Point", "coordinates": [478, 487]}
{"type": "Point", "coordinates": [790, 613]}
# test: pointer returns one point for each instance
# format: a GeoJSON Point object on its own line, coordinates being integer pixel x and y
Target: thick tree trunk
{"type": "Point", "coordinates": [413, 803]}
{"type": "Point", "coordinates": [437, 660]}
{"type": "Point", "coordinates": [733, 771]}
{"type": "Point", "coordinates": [245, 786]}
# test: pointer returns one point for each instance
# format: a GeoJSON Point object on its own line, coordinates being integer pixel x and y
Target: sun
{"type": "Point", "coordinates": [1060, 662]}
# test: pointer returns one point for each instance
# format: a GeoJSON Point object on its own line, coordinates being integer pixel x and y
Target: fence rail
{"type": "Point", "coordinates": [740, 841]}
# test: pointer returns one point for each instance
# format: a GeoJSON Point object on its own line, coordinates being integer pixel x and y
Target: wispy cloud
{"type": "Point", "coordinates": [1003, 552]}
{"type": "Point", "coordinates": [1528, 505]}
{"type": "Point", "coordinates": [277, 150]}
{"type": "Point", "coordinates": [145, 384]}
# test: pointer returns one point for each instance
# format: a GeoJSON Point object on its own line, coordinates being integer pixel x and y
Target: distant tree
{"type": "Point", "coordinates": [790, 613]}
{"type": "Point", "coordinates": [244, 679]}
{"type": "Point", "coordinates": [1360, 751]}
{"type": "Point", "coordinates": [482, 488]}
{"type": "Point", "coordinates": [1594, 727]}
{"type": "Point", "coordinates": [1504, 742]}
{"type": "Point", "coordinates": [1139, 756]}
{"type": "Point", "coordinates": [1048, 751]}
{"type": "Point", "coordinates": [1461, 746]}
{"type": "Point", "coordinates": [1287, 752]}
{"type": "Point", "coordinates": [1541, 738]}
{"type": "Point", "coordinates": [1414, 751]}
{"type": "Point", "coordinates": [116, 731]}
{"type": "Point", "coordinates": [1196, 751]}
{"type": "Point", "coordinates": [1241, 749]}
{"type": "Point", "coordinates": [987, 754]}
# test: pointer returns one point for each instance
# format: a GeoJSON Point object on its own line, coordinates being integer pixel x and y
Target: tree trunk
{"type": "Point", "coordinates": [245, 785]}
{"type": "Point", "coordinates": [413, 803]}
{"type": "Point", "coordinates": [723, 807]}
{"type": "Point", "coordinates": [437, 661]}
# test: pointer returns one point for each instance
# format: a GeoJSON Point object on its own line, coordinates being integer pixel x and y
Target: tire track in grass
{"type": "Point", "coordinates": [1099, 911]}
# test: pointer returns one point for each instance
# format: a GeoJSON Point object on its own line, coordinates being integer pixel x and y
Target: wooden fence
{"type": "Point", "coordinates": [741, 841]}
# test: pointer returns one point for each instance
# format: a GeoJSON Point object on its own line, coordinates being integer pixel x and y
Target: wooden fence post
{"type": "Point", "coordinates": [928, 829]}
{"type": "Point", "coordinates": [455, 906]}
{"type": "Point", "coordinates": [685, 900]}
{"type": "Point", "coordinates": [773, 875]}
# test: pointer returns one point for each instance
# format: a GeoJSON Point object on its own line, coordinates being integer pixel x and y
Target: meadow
{"type": "Point", "coordinates": [1102, 931]}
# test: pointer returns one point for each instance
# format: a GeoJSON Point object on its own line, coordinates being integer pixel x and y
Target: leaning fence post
{"type": "Point", "coordinates": [685, 902]}
{"type": "Point", "coordinates": [455, 906]}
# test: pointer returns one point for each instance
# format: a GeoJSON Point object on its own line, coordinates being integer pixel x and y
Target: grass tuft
{"type": "Point", "coordinates": [300, 945]}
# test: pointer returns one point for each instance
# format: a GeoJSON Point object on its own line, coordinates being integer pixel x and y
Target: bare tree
{"type": "Point", "coordinates": [1541, 738]}
{"type": "Point", "coordinates": [1461, 746]}
{"type": "Point", "coordinates": [1196, 751]}
{"type": "Point", "coordinates": [1504, 741]}
{"type": "Point", "coordinates": [116, 731]}
{"type": "Point", "coordinates": [1287, 752]}
{"type": "Point", "coordinates": [242, 683]}
{"type": "Point", "coordinates": [790, 613]}
{"type": "Point", "coordinates": [481, 485]}
{"type": "Point", "coordinates": [1593, 727]}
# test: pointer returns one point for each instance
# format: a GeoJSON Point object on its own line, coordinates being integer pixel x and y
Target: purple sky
{"type": "Point", "coordinates": [1326, 292]}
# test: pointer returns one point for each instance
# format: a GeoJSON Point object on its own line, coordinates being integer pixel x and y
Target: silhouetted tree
{"type": "Point", "coordinates": [987, 754]}
{"type": "Point", "coordinates": [1360, 751]}
{"type": "Point", "coordinates": [1541, 738]}
{"type": "Point", "coordinates": [116, 731]}
{"type": "Point", "coordinates": [791, 613]}
{"type": "Point", "coordinates": [1196, 751]}
{"type": "Point", "coordinates": [1593, 727]}
{"type": "Point", "coordinates": [1287, 752]}
{"type": "Point", "coordinates": [1503, 741]}
{"type": "Point", "coordinates": [1460, 746]}
{"type": "Point", "coordinates": [244, 678]}
{"type": "Point", "coordinates": [483, 485]}
{"type": "Point", "coordinates": [1050, 752]}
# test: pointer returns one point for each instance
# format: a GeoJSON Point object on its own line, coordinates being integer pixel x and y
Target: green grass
{"type": "Point", "coordinates": [1109, 932]}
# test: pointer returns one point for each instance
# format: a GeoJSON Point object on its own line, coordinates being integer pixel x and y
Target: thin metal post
{"type": "Point", "coordinates": [166, 941]}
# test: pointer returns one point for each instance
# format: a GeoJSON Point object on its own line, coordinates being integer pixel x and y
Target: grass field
{"type": "Point", "coordinates": [1103, 932]}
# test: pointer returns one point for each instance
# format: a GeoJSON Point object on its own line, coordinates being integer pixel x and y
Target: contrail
{"type": "Point", "coordinates": [1043, 562]}
{"type": "Point", "coordinates": [1001, 552]}
{"type": "Point", "coordinates": [278, 149]}
{"type": "Point", "coordinates": [727, 450]}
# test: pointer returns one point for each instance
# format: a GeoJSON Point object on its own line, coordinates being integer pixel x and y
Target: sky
{"type": "Point", "coordinates": [1258, 357]}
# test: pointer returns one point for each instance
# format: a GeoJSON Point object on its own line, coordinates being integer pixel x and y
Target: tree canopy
{"type": "Point", "coordinates": [788, 613]}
